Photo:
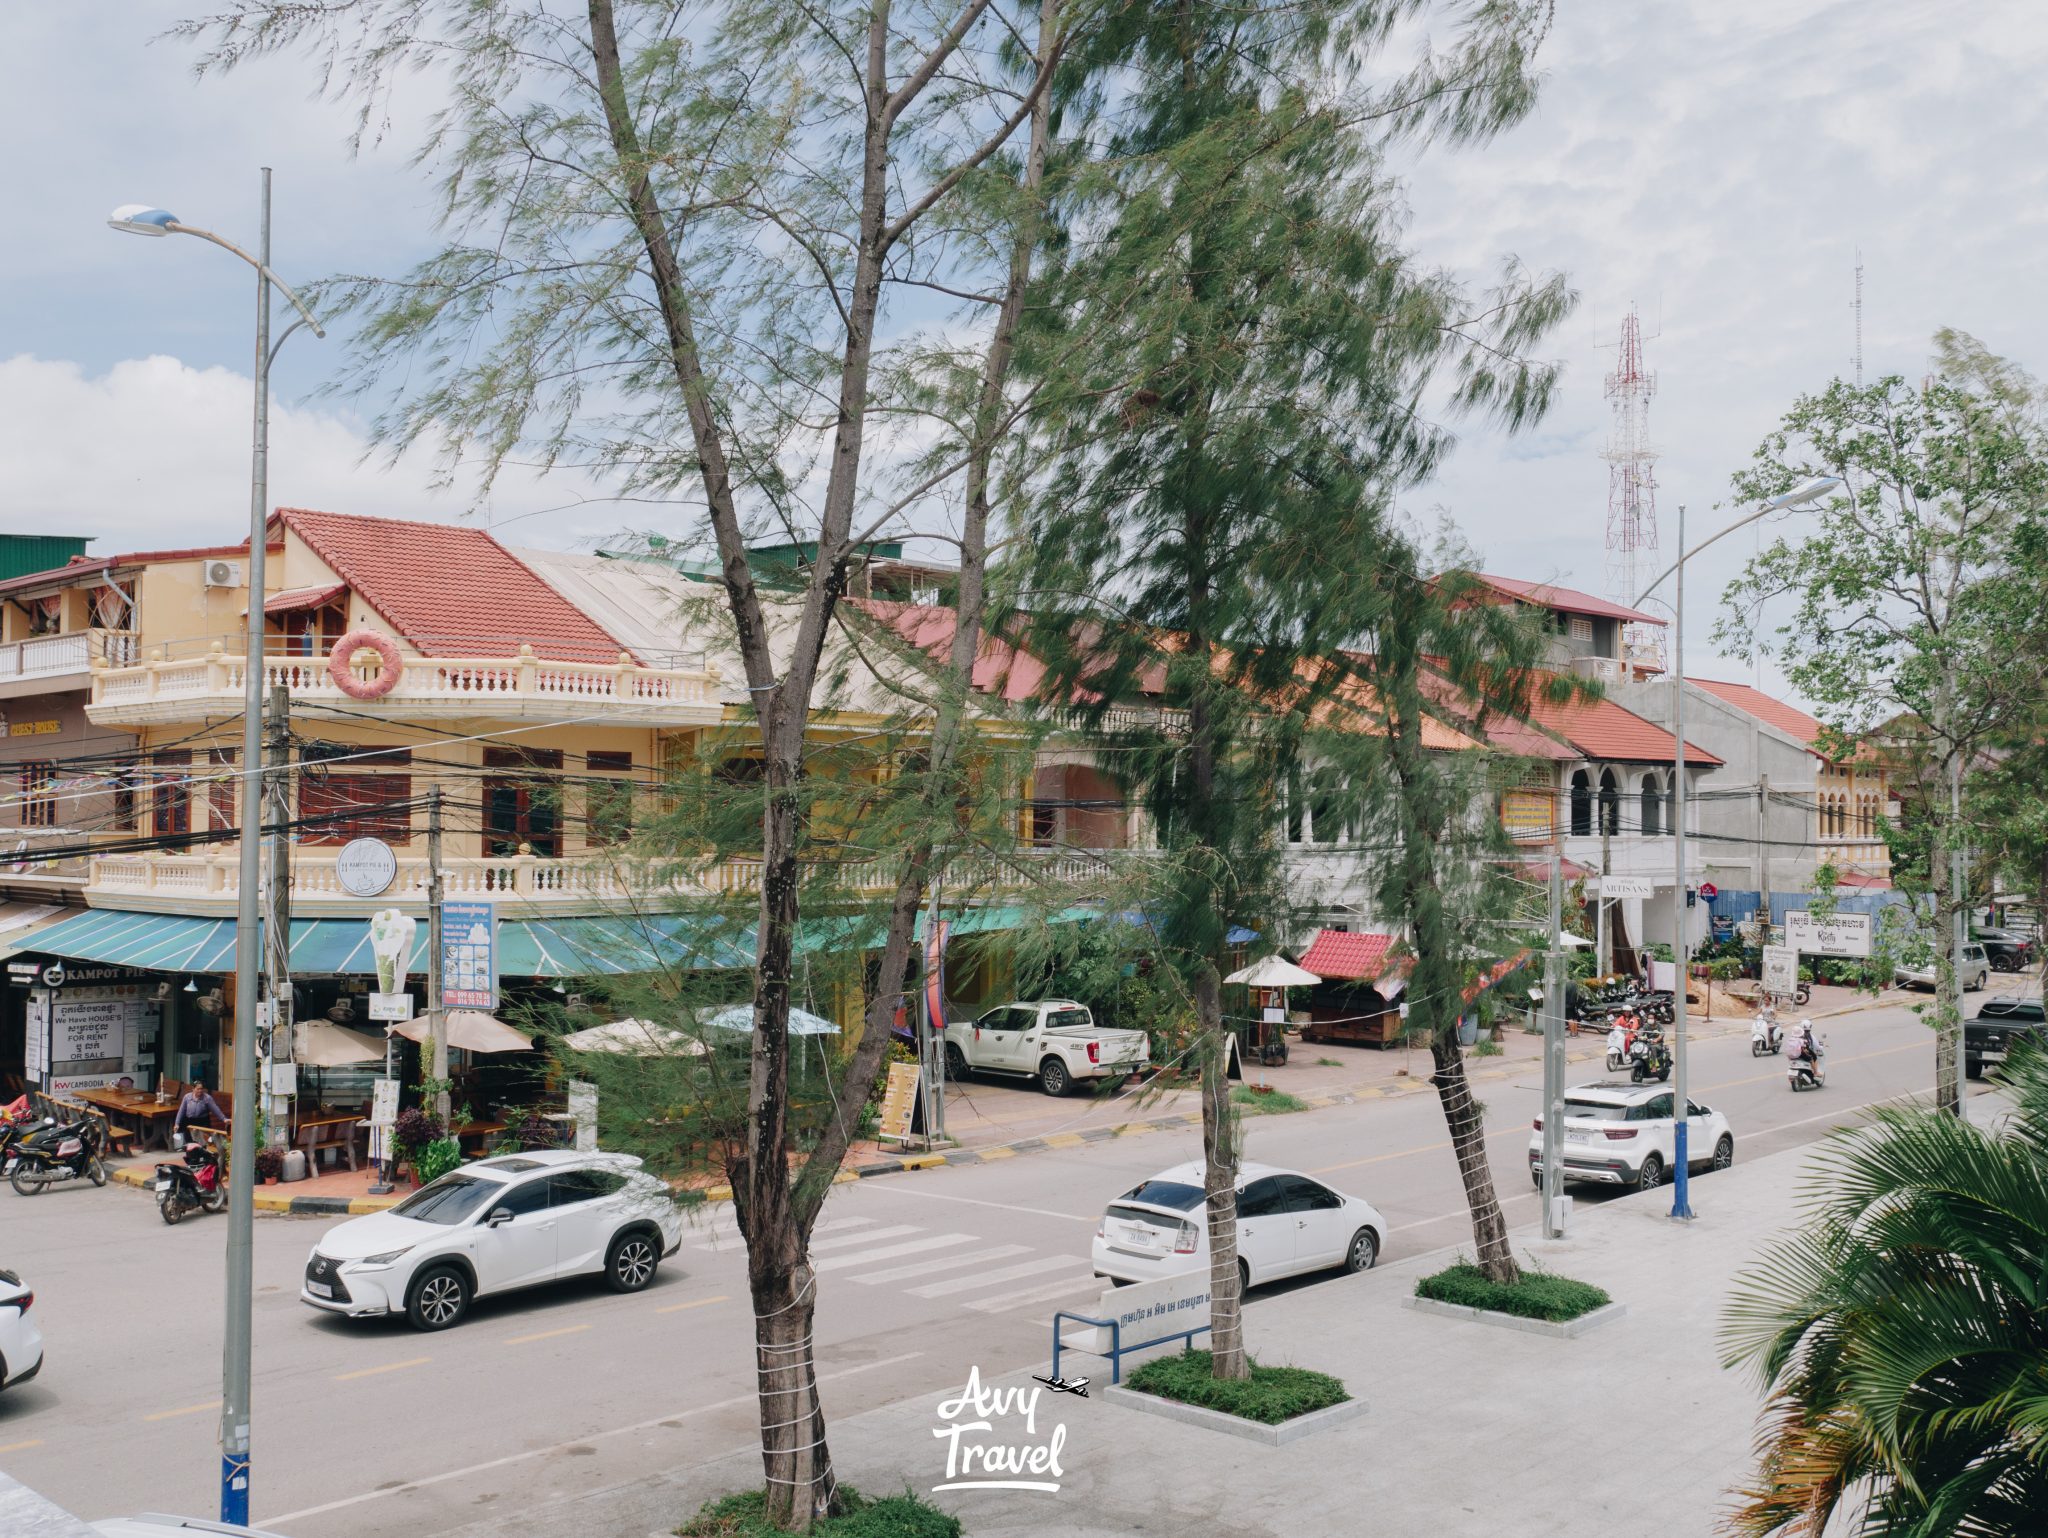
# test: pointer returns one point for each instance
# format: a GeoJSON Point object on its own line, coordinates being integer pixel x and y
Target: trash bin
{"type": "Point", "coordinates": [1468, 1030]}
{"type": "Point", "coordinates": [295, 1164]}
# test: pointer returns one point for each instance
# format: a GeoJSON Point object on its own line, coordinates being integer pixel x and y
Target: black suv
{"type": "Point", "coordinates": [2006, 949]}
{"type": "Point", "coordinates": [1997, 1028]}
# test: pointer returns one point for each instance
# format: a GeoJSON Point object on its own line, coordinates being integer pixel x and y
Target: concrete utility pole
{"type": "Point", "coordinates": [1606, 933]}
{"type": "Point", "coordinates": [1681, 948]}
{"type": "Point", "coordinates": [437, 1032]}
{"type": "Point", "coordinates": [1553, 1059]}
{"type": "Point", "coordinates": [277, 919]}
{"type": "Point", "coordinates": [1763, 854]}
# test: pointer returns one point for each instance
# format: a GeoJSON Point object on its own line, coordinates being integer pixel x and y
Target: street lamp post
{"type": "Point", "coordinates": [140, 219]}
{"type": "Point", "coordinates": [1800, 496]}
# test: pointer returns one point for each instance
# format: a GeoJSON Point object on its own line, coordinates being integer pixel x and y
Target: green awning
{"type": "Point", "coordinates": [565, 947]}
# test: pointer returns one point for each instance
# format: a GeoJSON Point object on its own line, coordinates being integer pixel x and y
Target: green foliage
{"type": "Point", "coordinates": [433, 1160]}
{"type": "Point", "coordinates": [1486, 1046]}
{"type": "Point", "coordinates": [1271, 1396]}
{"type": "Point", "coordinates": [1538, 1295]}
{"type": "Point", "coordinates": [1902, 1328]}
{"type": "Point", "coordinates": [745, 1515]}
{"type": "Point", "coordinates": [1271, 1102]}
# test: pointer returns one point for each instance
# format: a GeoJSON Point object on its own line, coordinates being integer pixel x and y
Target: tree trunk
{"type": "Point", "coordinates": [1219, 1182]}
{"type": "Point", "coordinates": [1467, 1126]}
{"type": "Point", "coordinates": [796, 1460]}
{"type": "Point", "coordinates": [1948, 1014]}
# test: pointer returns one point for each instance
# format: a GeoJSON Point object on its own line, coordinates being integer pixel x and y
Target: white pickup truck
{"type": "Point", "coordinates": [1054, 1041]}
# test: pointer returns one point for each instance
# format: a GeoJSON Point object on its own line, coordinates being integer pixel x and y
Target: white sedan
{"type": "Point", "coordinates": [492, 1226]}
{"type": "Point", "coordinates": [21, 1343]}
{"type": "Point", "coordinates": [1286, 1224]}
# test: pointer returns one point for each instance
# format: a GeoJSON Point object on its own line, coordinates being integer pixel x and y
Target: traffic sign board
{"type": "Point", "coordinates": [1709, 891]}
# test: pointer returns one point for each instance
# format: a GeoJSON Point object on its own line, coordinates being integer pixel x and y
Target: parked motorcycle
{"type": "Point", "coordinates": [196, 1183]}
{"type": "Point", "coordinates": [1765, 1034]}
{"type": "Point", "coordinates": [56, 1153]}
{"type": "Point", "coordinates": [1652, 1057]}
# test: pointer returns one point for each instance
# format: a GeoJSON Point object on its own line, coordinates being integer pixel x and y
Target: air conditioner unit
{"type": "Point", "coordinates": [222, 573]}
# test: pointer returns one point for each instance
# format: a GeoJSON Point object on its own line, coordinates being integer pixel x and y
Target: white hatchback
{"type": "Point", "coordinates": [1623, 1134]}
{"type": "Point", "coordinates": [21, 1343]}
{"type": "Point", "coordinates": [492, 1226]}
{"type": "Point", "coordinates": [1286, 1224]}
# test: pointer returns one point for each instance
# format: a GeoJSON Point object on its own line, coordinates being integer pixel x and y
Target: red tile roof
{"type": "Point", "coordinates": [1789, 719]}
{"type": "Point", "coordinates": [1603, 729]}
{"type": "Point", "coordinates": [1549, 595]}
{"type": "Point", "coordinates": [294, 599]}
{"type": "Point", "coordinates": [451, 591]}
{"type": "Point", "coordinates": [1347, 955]}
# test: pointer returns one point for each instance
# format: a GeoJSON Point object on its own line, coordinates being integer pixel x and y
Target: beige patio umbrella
{"type": "Point", "coordinates": [469, 1030]}
{"type": "Point", "coordinates": [638, 1038]}
{"type": "Point", "coordinates": [319, 1044]}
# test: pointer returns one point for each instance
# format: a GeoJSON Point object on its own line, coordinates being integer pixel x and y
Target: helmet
{"type": "Point", "coordinates": [1805, 1023]}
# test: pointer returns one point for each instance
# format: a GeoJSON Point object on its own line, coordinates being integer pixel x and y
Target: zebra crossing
{"type": "Point", "coordinates": [957, 1269]}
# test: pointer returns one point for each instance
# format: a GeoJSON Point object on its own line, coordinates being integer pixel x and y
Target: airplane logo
{"type": "Point", "coordinates": [1065, 1385]}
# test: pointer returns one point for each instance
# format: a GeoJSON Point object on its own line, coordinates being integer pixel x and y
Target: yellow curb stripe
{"type": "Point", "coordinates": [998, 1153]}
{"type": "Point", "coordinates": [1065, 1140]}
{"type": "Point", "coordinates": [924, 1161]}
{"type": "Point", "coordinates": [190, 1409]}
{"type": "Point", "coordinates": [371, 1372]}
{"type": "Point", "coordinates": [527, 1340]}
{"type": "Point", "coordinates": [21, 1447]}
{"type": "Point", "coordinates": [360, 1204]}
{"type": "Point", "coordinates": [677, 1308]}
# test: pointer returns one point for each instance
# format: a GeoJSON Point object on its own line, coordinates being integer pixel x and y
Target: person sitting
{"type": "Point", "coordinates": [1801, 1045]}
{"type": "Point", "coordinates": [198, 1106]}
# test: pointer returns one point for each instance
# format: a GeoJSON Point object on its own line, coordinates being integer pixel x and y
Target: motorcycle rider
{"type": "Point", "coordinates": [1767, 1024]}
{"type": "Point", "coordinates": [1801, 1045]}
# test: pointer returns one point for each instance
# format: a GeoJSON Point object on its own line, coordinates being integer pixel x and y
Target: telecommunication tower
{"type": "Point", "coordinates": [1632, 491]}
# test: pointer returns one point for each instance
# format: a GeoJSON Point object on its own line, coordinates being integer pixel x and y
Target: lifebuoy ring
{"type": "Point", "coordinates": [344, 653]}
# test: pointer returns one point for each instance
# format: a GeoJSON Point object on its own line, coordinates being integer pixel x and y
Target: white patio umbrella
{"type": "Point", "coordinates": [740, 1017]}
{"type": "Point", "coordinates": [638, 1038]}
{"type": "Point", "coordinates": [469, 1030]}
{"type": "Point", "coordinates": [1274, 972]}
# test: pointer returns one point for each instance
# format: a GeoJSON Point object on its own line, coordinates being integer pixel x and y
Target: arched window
{"type": "Point", "coordinates": [1610, 803]}
{"type": "Point", "coordinates": [1652, 806]}
{"type": "Point", "coordinates": [1582, 805]}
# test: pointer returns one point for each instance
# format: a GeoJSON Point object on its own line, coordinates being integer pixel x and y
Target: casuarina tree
{"type": "Point", "coordinates": [1233, 358]}
{"type": "Point", "coordinates": [689, 247]}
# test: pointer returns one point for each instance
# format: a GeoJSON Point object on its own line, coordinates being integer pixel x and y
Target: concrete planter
{"type": "Point", "coordinates": [1231, 1425]}
{"type": "Point", "coordinates": [1570, 1329]}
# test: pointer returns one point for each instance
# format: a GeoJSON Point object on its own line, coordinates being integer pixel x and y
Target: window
{"type": "Point", "coordinates": [1260, 1199]}
{"type": "Point", "coordinates": [1610, 803]}
{"type": "Point", "coordinates": [1326, 809]}
{"type": "Point", "coordinates": [520, 1200]}
{"type": "Point", "coordinates": [1170, 1193]}
{"type": "Point", "coordinates": [1594, 1110]}
{"type": "Point", "coordinates": [1582, 805]}
{"type": "Point", "coordinates": [1581, 627]}
{"type": "Point", "coordinates": [1299, 1194]}
{"type": "Point", "coordinates": [585, 1185]}
{"type": "Point", "coordinates": [1657, 1108]}
{"type": "Point", "coordinates": [170, 794]}
{"type": "Point", "coordinates": [123, 815]}
{"type": "Point", "coordinates": [1652, 803]}
{"type": "Point", "coordinates": [338, 807]}
{"type": "Point", "coordinates": [223, 789]}
{"type": "Point", "coordinates": [1002, 1018]}
{"type": "Point", "coordinates": [607, 803]}
{"type": "Point", "coordinates": [1065, 1020]}
{"type": "Point", "coordinates": [523, 801]}
{"type": "Point", "coordinates": [38, 793]}
{"type": "Point", "coordinates": [447, 1201]}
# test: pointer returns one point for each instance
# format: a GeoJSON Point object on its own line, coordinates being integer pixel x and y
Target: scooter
{"type": "Point", "coordinates": [1652, 1057]}
{"type": "Point", "coordinates": [1618, 1057]}
{"type": "Point", "coordinates": [1807, 1072]}
{"type": "Point", "coordinates": [1766, 1036]}
{"type": "Point", "coordinates": [57, 1153]}
{"type": "Point", "coordinates": [196, 1183]}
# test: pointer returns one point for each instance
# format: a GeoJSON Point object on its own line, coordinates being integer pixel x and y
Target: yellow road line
{"type": "Point", "coordinates": [371, 1372]}
{"type": "Point", "coordinates": [190, 1409]}
{"type": "Point", "coordinates": [677, 1308]}
{"type": "Point", "coordinates": [523, 1340]}
{"type": "Point", "coordinates": [22, 1447]}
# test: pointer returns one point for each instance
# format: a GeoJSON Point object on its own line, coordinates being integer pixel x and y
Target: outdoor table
{"type": "Point", "coordinates": [328, 1129]}
{"type": "Point", "coordinates": [481, 1130]}
{"type": "Point", "coordinates": [152, 1118]}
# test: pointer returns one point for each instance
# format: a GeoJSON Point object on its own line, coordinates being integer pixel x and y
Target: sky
{"type": "Point", "coordinates": [1716, 163]}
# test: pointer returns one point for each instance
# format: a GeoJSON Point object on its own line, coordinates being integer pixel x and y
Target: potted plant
{"type": "Point", "coordinates": [269, 1165]}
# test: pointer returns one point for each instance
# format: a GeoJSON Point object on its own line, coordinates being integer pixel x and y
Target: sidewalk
{"type": "Point", "coordinates": [1472, 1431]}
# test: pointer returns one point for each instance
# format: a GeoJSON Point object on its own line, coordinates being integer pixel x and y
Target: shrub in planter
{"type": "Point", "coordinates": [1538, 1295]}
{"type": "Point", "coordinates": [414, 1130]}
{"type": "Point", "coordinates": [269, 1164]}
{"type": "Point", "coordinates": [436, 1159]}
{"type": "Point", "coordinates": [536, 1131]}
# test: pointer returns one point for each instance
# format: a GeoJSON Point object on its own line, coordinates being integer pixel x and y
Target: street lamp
{"type": "Point", "coordinates": [1799, 496]}
{"type": "Point", "coordinates": [141, 219]}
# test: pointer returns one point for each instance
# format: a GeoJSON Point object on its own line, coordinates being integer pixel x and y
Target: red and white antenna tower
{"type": "Point", "coordinates": [1632, 491]}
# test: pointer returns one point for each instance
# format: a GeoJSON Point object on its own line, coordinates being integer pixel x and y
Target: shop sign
{"type": "Point", "coordinates": [391, 1006]}
{"type": "Point", "coordinates": [469, 955]}
{"type": "Point", "coordinates": [1846, 934]}
{"type": "Point", "coordinates": [899, 1103]}
{"type": "Point", "coordinates": [1781, 969]}
{"type": "Point", "coordinates": [1627, 886]}
{"type": "Point", "coordinates": [365, 867]}
{"type": "Point", "coordinates": [34, 728]}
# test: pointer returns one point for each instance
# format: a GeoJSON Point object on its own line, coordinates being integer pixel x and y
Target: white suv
{"type": "Point", "coordinates": [21, 1343]}
{"type": "Point", "coordinates": [1624, 1134]}
{"type": "Point", "coordinates": [493, 1226]}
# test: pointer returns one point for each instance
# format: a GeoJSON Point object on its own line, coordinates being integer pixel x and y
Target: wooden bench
{"type": "Point", "coordinates": [113, 1139]}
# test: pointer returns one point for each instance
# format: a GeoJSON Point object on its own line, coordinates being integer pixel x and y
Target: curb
{"type": "Point", "coordinates": [268, 1200]}
{"type": "Point", "coordinates": [1231, 1425]}
{"type": "Point", "coordinates": [1569, 1329]}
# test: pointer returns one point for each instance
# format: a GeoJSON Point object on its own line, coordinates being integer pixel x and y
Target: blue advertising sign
{"type": "Point", "coordinates": [469, 955]}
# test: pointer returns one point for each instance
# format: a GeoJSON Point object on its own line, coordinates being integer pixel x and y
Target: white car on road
{"type": "Point", "coordinates": [1623, 1134]}
{"type": "Point", "coordinates": [1055, 1041]}
{"type": "Point", "coordinates": [1286, 1224]}
{"type": "Point", "coordinates": [21, 1343]}
{"type": "Point", "coordinates": [492, 1226]}
{"type": "Point", "coordinates": [1973, 971]}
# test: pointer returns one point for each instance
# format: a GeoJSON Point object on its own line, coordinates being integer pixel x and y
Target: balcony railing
{"type": "Point", "coordinates": [23, 864]}
{"type": "Point", "coordinates": [51, 656]}
{"type": "Point", "coordinates": [520, 685]}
